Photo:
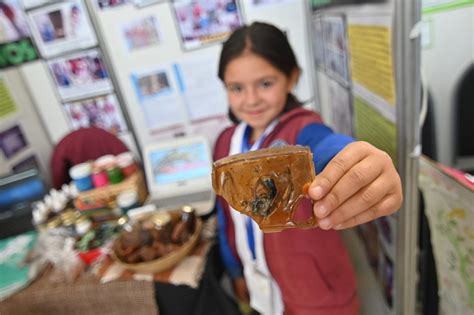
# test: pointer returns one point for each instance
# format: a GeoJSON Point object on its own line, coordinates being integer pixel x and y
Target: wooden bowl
{"type": "Point", "coordinates": [167, 261]}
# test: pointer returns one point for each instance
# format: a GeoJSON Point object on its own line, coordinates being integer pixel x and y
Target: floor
{"type": "Point", "coordinates": [370, 294]}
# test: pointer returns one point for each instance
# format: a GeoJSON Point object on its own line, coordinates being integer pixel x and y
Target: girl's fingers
{"type": "Point", "coordinates": [352, 154]}
{"type": "Point", "coordinates": [359, 176]}
{"type": "Point", "coordinates": [386, 206]}
{"type": "Point", "coordinates": [361, 201]}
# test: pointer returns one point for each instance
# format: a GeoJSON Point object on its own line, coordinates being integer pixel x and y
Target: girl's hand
{"type": "Point", "coordinates": [358, 185]}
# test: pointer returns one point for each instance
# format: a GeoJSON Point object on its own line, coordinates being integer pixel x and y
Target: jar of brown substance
{"type": "Point", "coordinates": [162, 223]}
{"type": "Point", "coordinates": [188, 215]}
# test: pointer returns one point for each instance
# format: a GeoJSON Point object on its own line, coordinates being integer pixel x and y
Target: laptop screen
{"type": "Point", "coordinates": [178, 173]}
{"type": "Point", "coordinates": [188, 161]}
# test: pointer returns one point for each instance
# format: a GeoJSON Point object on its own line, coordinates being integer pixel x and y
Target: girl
{"type": "Point", "coordinates": [295, 271]}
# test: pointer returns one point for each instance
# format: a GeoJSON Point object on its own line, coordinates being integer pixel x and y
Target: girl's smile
{"type": "Point", "coordinates": [257, 91]}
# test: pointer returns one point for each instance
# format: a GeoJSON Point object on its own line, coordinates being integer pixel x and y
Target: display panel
{"type": "Point", "coordinates": [171, 165]}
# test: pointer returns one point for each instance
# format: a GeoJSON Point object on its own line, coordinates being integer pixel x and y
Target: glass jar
{"type": "Point", "coordinates": [162, 223]}
{"type": "Point", "coordinates": [188, 215]}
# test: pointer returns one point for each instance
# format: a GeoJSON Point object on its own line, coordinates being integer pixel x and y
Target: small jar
{"type": "Point", "coordinates": [127, 163]}
{"type": "Point", "coordinates": [162, 222]}
{"type": "Point", "coordinates": [81, 175]}
{"type": "Point", "coordinates": [188, 215]}
{"type": "Point", "coordinates": [99, 177]}
{"type": "Point", "coordinates": [114, 173]}
{"type": "Point", "coordinates": [127, 200]}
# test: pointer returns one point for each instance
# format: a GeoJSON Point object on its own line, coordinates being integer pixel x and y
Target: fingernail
{"type": "Point", "coordinates": [321, 211]}
{"type": "Point", "coordinates": [325, 224]}
{"type": "Point", "coordinates": [338, 227]}
{"type": "Point", "coordinates": [317, 192]}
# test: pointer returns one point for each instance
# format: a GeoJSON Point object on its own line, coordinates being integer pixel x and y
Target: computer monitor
{"type": "Point", "coordinates": [178, 173]}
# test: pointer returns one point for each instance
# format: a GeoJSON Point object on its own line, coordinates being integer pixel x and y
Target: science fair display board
{"type": "Point", "coordinates": [164, 57]}
{"type": "Point", "coordinates": [366, 56]}
{"type": "Point", "coordinates": [71, 85]}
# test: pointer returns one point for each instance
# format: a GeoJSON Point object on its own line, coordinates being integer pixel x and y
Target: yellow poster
{"type": "Point", "coordinates": [374, 128]}
{"type": "Point", "coordinates": [371, 59]}
{"type": "Point", "coordinates": [7, 105]}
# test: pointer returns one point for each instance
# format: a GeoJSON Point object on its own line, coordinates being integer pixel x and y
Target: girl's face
{"type": "Point", "coordinates": [256, 90]}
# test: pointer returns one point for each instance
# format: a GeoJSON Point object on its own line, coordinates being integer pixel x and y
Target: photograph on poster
{"type": "Point", "coordinates": [29, 4]}
{"type": "Point", "coordinates": [202, 91]}
{"type": "Point", "coordinates": [152, 85]}
{"type": "Point", "coordinates": [12, 141]}
{"type": "Point", "coordinates": [160, 104]}
{"type": "Point", "coordinates": [13, 25]}
{"type": "Point", "coordinates": [335, 47]}
{"type": "Point", "coordinates": [61, 28]}
{"type": "Point", "coordinates": [142, 32]}
{"type": "Point", "coordinates": [103, 4]}
{"type": "Point", "coordinates": [80, 75]}
{"type": "Point", "coordinates": [318, 42]}
{"type": "Point", "coordinates": [341, 108]}
{"type": "Point", "coordinates": [203, 22]}
{"type": "Point", "coordinates": [102, 112]}
{"type": "Point", "coordinates": [27, 164]}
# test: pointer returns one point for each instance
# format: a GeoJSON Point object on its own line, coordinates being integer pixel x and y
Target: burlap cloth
{"type": "Point", "coordinates": [85, 296]}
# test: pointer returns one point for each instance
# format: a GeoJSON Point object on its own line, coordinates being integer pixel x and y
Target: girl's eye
{"type": "Point", "coordinates": [235, 88]}
{"type": "Point", "coordinates": [266, 84]}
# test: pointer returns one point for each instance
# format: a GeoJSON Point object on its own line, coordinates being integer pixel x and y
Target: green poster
{"type": "Point", "coordinates": [374, 128]}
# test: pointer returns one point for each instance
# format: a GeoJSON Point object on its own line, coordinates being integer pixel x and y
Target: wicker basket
{"type": "Point", "coordinates": [108, 194]}
{"type": "Point", "coordinates": [167, 261]}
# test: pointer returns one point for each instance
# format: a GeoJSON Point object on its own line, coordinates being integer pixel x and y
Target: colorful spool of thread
{"type": "Point", "coordinates": [127, 164]}
{"type": "Point", "coordinates": [114, 174]}
{"type": "Point", "coordinates": [81, 175]}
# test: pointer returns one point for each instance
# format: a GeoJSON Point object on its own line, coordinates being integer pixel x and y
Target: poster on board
{"type": "Point", "coordinates": [158, 98]}
{"type": "Point", "coordinates": [203, 22]}
{"type": "Point", "coordinates": [12, 141]}
{"type": "Point", "coordinates": [101, 111]}
{"type": "Point", "coordinates": [202, 92]}
{"type": "Point", "coordinates": [62, 27]}
{"type": "Point", "coordinates": [318, 42]}
{"type": "Point", "coordinates": [16, 45]}
{"type": "Point", "coordinates": [335, 48]}
{"type": "Point", "coordinates": [80, 75]}
{"type": "Point", "coordinates": [13, 25]}
{"type": "Point", "coordinates": [341, 108]}
{"type": "Point", "coordinates": [7, 104]}
{"type": "Point", "coordinates": [448, 197]}
{"type": "Point", "coordinates": [140, 33]}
